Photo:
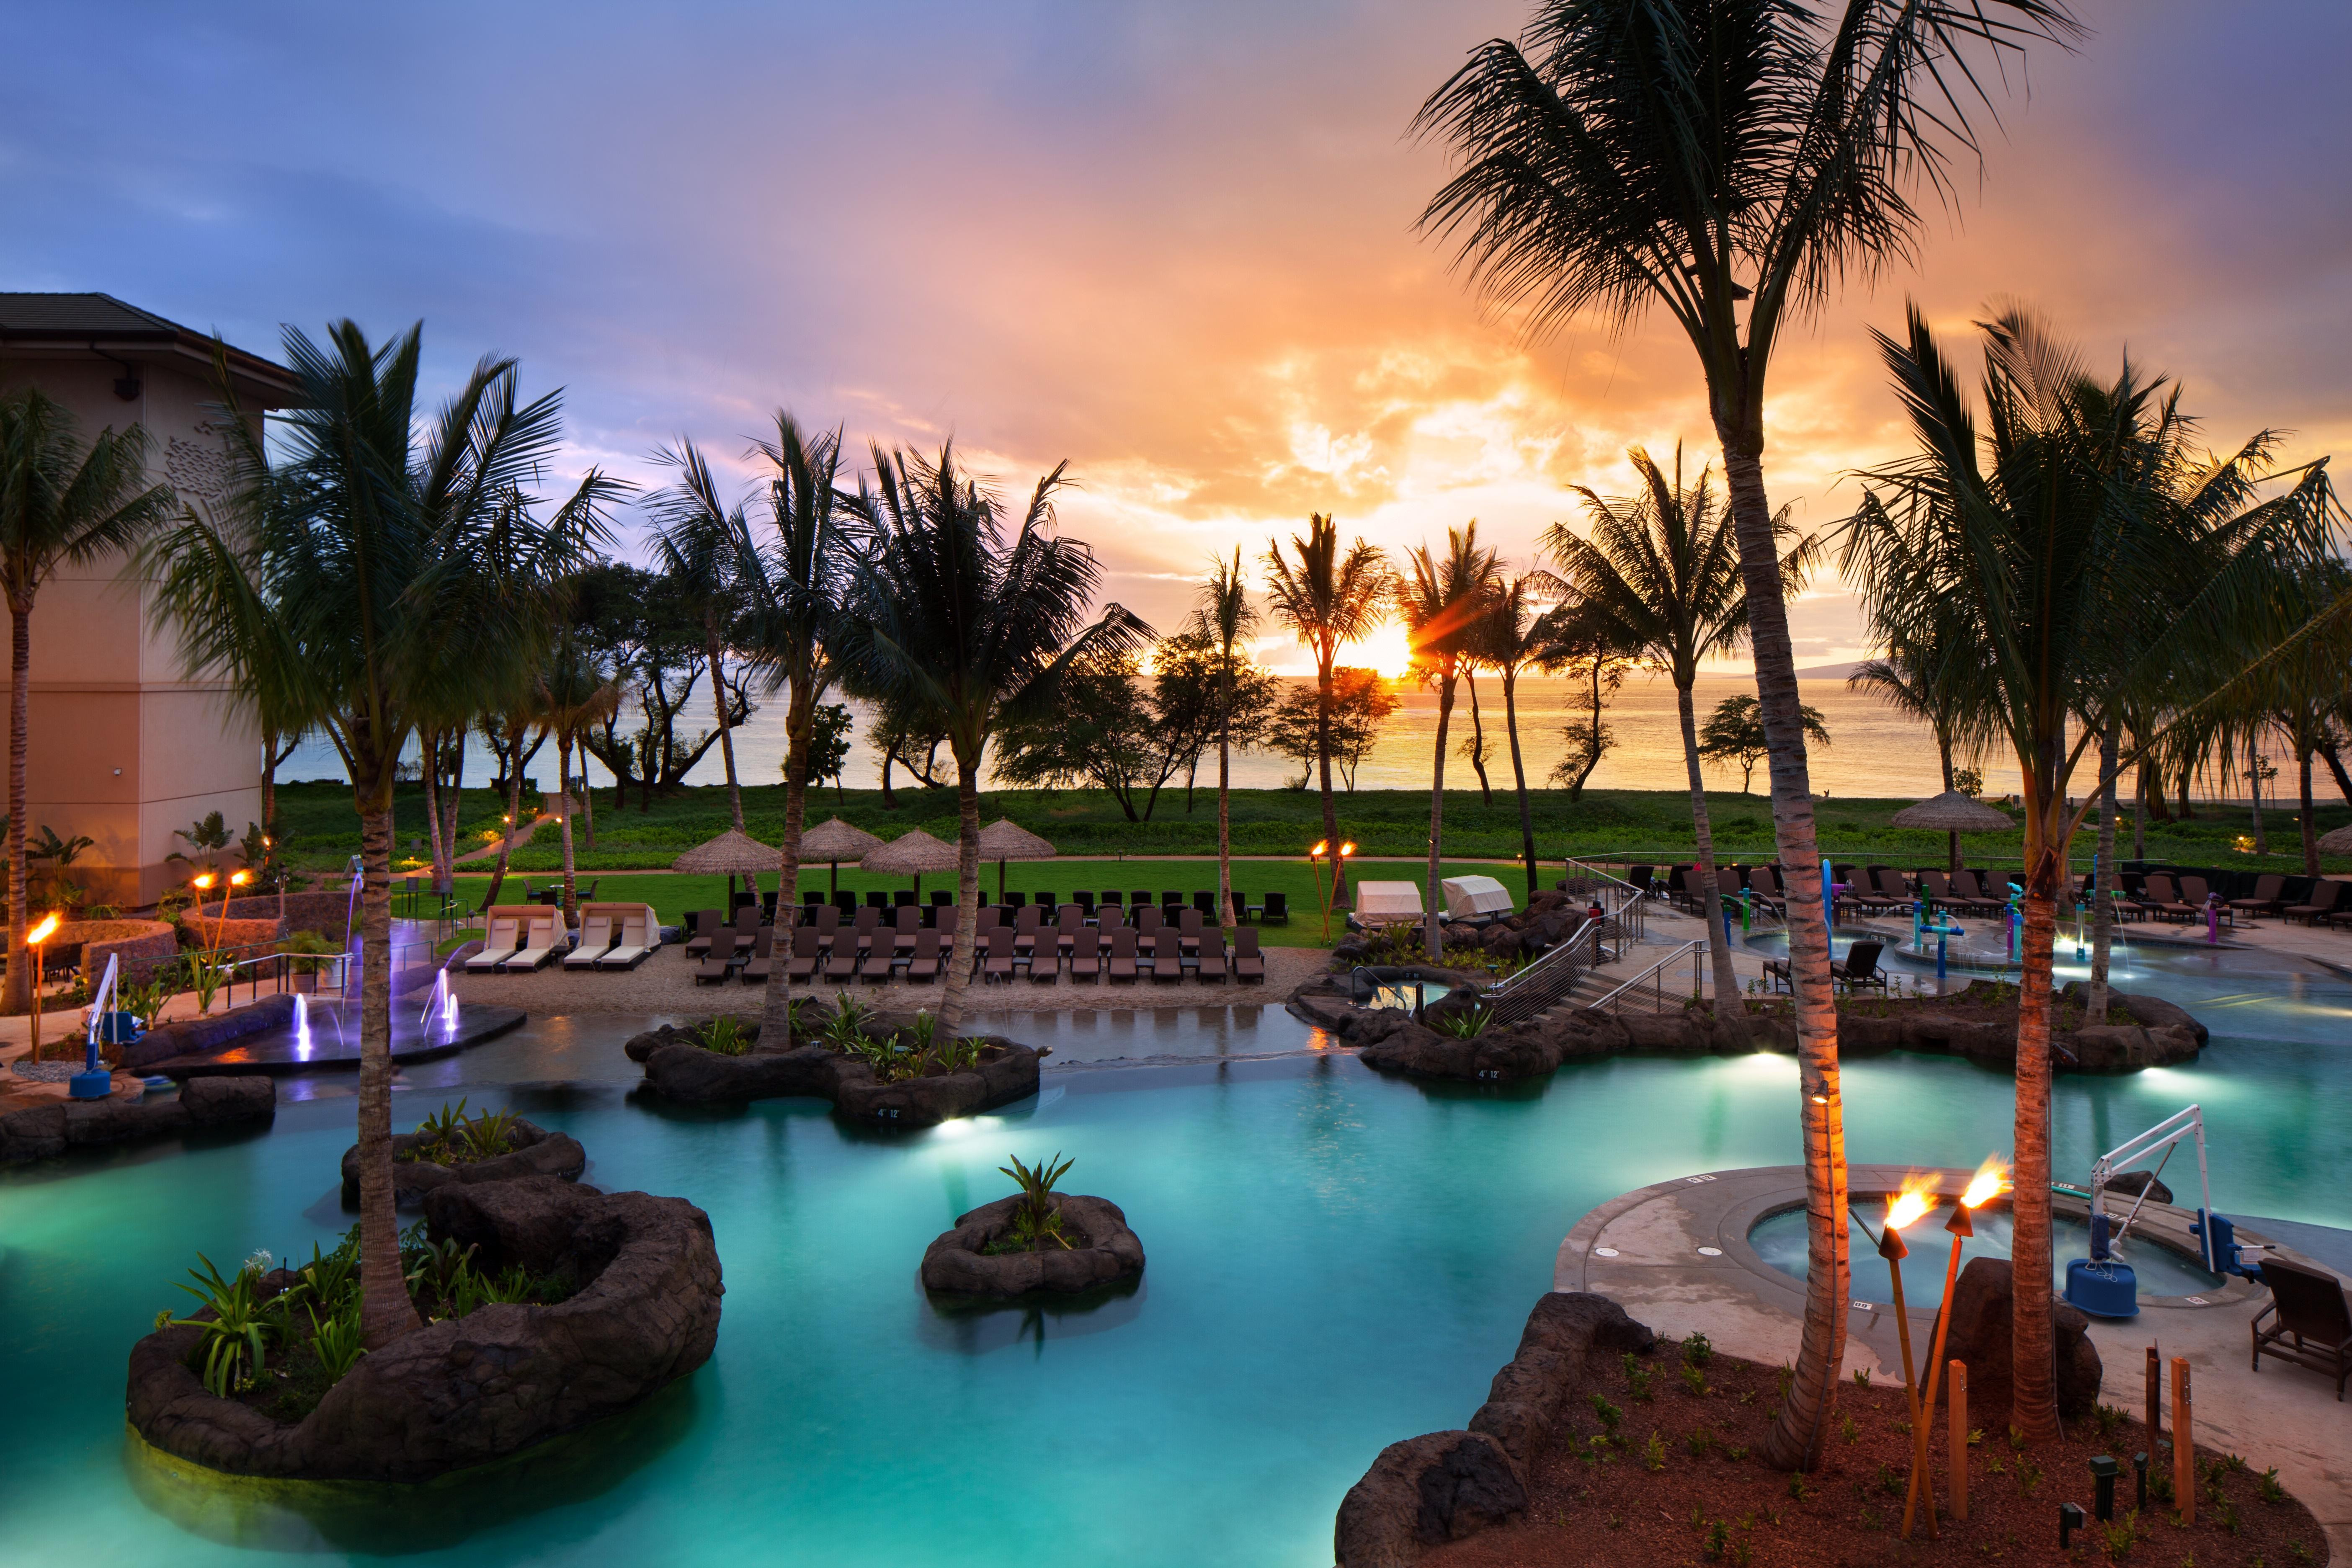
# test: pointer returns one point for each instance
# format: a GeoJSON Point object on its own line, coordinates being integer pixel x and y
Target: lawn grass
{"type": "Point", "coordinates": [320, 830]}
{"type": "Point", "coordinates": [673, 895]}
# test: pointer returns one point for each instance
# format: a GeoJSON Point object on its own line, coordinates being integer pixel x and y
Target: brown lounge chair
{"type": "Point", "coordinates": [1860, 966]}
{"type": "Point", "coordinates": [1122, 956]}
{"type": "Point", "coordinates": [807, 956]}
{"type": "Point", "coordinates": [1167, 957]}
{"type": "Point", "coordinates": [1026, 926]}
{"type": "Point", "coordinates": [2166, 900]}
{"type": "Point", "coordinates": [841, 959]}
{"type": "Point", "coordinates": [2310, 1324]}
{"type": "Point", "coordinates": [1249, 964]}
{"type": "Point", "coordinates": [1971, 900]}
{"type": "Point", "coordinates": [1188, 932]}
{"type": "Point", "coordinates": [2266, 900]}
{"type": "Point", "coordinates": [763, 948]}
{"type": "Point", "coordinates": [700, 926]}
{"type": "Point", "coordinates": [2320, 901]}
{"type": "Point", "coordinates": [1085, 955]}
{"type": "Point", "coordinates": [1212, 965]}
{"type": "Point", "coordinates": [909, 922]}
{"type": "Point", "coordinates": [720, 962]}
{"type": "Point", "coordinates": [999, 949]}
{"type": "Point", "coordinates": [1067, 924]}
{"type": "Point", "coordinates": [923, 963]}
{"type": "Point", "coordinates": [1044, 959]}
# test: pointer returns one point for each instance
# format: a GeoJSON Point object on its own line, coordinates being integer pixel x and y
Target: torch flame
{"type": "Point", "coordinates": [43, 931]}
{"type": "Point", "coordinates": [1320, 845]}
{"type": "Point", "coordinates": [1990, 1181]}
{"type": "Point", "coordinates": [1914, 1203]}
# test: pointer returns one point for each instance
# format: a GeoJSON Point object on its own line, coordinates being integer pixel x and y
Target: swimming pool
{"type": "Point", "coordinates": [1336, 1260]}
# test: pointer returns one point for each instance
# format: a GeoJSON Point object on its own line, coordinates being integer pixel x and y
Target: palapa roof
{"type": "Point", "coordinates": [836, 840]}
{"type": "Point", "coordinates": [1005, 840]}
{"type": "Point", "coordinates": [1952, 812]}
{"type": "Point", "coordinates": [2338, 842]}
{"type": "Point", "coordinates": [731, 854]}
{"type": "Point", "coordinates": [911, 854]}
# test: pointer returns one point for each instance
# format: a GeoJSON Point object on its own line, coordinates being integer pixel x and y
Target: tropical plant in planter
{"type": "Point", "coordinates": [1036, 1223]}
{"type": "Point", "coordinates": [450, 1137]}
{"type": "Point", "coordinates": [724, 1035]}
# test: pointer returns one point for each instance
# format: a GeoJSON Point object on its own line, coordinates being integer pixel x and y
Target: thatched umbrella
{"type": "Point", "coordinates": [834, 842]}
{"type": "Point", "coordinates": [732, 854]}
{"type": "Point", "coordinates": [911, 854]}
{"type": "Point", "coordinates": [1003, 840]}
{"type": "Point", "coordinates": [2337, 842]}
{"type": "Point", "coordinates": [1953, 814]}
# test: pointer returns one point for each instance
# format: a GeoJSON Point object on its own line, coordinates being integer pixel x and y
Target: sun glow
{"type": "Point", "coordinates": [1388, 651]}
{"type": "Point", "coordinates": [1915, 1202]}
{"type": "Point", "coordinates": [1990, 1181]}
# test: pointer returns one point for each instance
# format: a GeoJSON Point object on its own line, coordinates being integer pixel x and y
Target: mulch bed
{"type": "Point", "coordinates": [1679, 1482]}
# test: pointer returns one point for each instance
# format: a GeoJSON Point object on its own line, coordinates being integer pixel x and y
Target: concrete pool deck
{"type": "Point", "coordinates": [1676, 1256]}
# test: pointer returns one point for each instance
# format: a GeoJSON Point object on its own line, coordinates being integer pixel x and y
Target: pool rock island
{"type": "Point", "coordinates": [887, 1081]}
{"type": "Point", "coordinates": [531, 1150]}
{"type": "Point", "coordinates": [1101, 1251]}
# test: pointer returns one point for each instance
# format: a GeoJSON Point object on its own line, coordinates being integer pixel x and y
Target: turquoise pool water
{"type": "Point", "coordinates": [1336, 1260]}
{"type": "Point", "coordinates": [1780, 1240]}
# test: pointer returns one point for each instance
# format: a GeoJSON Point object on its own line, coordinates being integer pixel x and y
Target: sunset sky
{"type": "Point", "coordinates": [1171, 243]}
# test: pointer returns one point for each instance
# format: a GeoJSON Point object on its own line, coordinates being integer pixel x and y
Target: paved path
{"type": "Point", "coordinates": [1675, 1255]}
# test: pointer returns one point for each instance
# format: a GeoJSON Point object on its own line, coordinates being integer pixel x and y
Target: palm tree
{"type": "Point", "coordinates": [970, 626]}
{"type": "Point", "coordinates": [1224, 617]}
{"type": "Point", "coordinates": [1510, 637]}
{"type": "Point", "coordinates": [1662, 571]}
{"type": "Point", "coordinates": [703, 544]}
{"type": "Point", "coordinates": [1441, 603]}
{"type": "Point", "coordinates": [1327, 600]}
{"type": "Point", "coordinates": [802, 580]}
{"type": "Point", "coordinates": [1904, 680]}
{"type": "Point", "coordinates": [367, 580]}
{"type": "Point", "coordinates": [61, 504]}
{"type": "Point", "coordinates": [2086, 555]}
{"type": "Point", "coordinates": [1628, 153]}
{"type": "Point", "coordinates": [575, 694]}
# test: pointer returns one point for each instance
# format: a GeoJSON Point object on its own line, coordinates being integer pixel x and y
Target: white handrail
{"type": "Point", "coordinates": [1681, 952]}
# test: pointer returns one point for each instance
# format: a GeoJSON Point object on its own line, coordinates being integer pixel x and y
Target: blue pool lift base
{"type": "Point", "coordinates": [2106, 1290]}
{"type": "Point", "coordinates": [91, 1085]}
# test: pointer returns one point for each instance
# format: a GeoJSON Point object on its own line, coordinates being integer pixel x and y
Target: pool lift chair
{"type": "Point", "coordinates": [2103, 1285]}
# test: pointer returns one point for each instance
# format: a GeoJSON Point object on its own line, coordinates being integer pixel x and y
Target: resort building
{"type": "Point", "coordinates": [124, 751]}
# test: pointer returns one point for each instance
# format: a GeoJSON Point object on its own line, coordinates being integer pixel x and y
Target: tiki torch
{"type": "Point", "coordinates": [1990, 1181]}
{"type": "Point", "coordinates": [34, 939]}
{"type": "Point", "coordinates": [1914, 1203]}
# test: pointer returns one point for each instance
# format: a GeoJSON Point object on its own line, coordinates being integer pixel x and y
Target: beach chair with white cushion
{"type": "Point", "coordinates": [498, 944]}
{"type": "Point", "coordinates": [639, 935]}
{"type": "Point", "coordinates": [596, 939]}
{"type": "Point", "coordinates": [542, 939]}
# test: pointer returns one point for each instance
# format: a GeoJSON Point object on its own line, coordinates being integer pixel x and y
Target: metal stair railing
{"type": "Point", "coordinates": [1623, 901]}
{"type": "Point", "coordinates": [1647, 989]}
{"type": "Point", "coordinates": [1546, 982]}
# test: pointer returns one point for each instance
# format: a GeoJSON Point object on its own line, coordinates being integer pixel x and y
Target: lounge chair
{"type": "Point", "coordinates": [1167, 958]}
{"type": "Point", "coordinates": [923, 963]}
{"type": "Point", "coordinates": [1122, 956]}
{"type": "Point", "coordinates": [498, 944]}
{"type": "Point", "coordinates": [1139, 896]}
{"type": "Point", "coordinates": [1067, 924]}
{"type": "Point", "coordinates": [1891, 887]}
{"type": "Point", "coordinates": [719, 960]}
{"type": "Point", "coordinates": [841, 960]}
{"type": "Point", "coordinates": [2165, 899]}
{"type": "Point", "coordinates": [1108, 918]}
{"type": "Point", "coordinates": [1111, 898]}
{"type": "Point", "coordinates": [1211, 965]}
{"type": "Point", "coordinates": [1085, 955]}
{"type": "Point", "coordinates": [2317, 903]}
{"type": "Point", "coordinates": [1044, 960]}
{"type": "Point", "coordinates": [1206, 903]}
{"type": "Point", "coordinates": [1085, 900]}
{"type": "Point", "coordinates": [998, 964]}
{"type": "Point", "coordinates": [910, 924]}
{"type": "Point", "coordinates": [1249, 964]}
{"type": "Point", "coordinates": [859, 938]}
{"type": "Point", "coordinates": [808, 955]}
{"type": "Point", "coordinates": [1275, 910]}
{"type": "Point", "coordinates": [2310, 1324]}
{"type": "Point", "coordinates": [1764, 889]}
{"type": "Point", "coordinates": [2266, 900]}
{"type": "Point", "coordinates": [762, 959]}
{"type": "Point", "coordinates": [880, 959]}
{"type": "Point", "coordinates": [1148, 921]}
{"type": "Point", "coordinates": [595, 940]}
{"type": "Point", "coordinates": [1860, 966]}
{"type": "Point", "coordinates": [1968, 901]}
{"type": "Point", "coordinates": [639, 936]}
{"type": "Point", "coordinates": [699, 925]}
{"type": "Point", "coordinates": [541, 936]}
{"type": "Point", "coordinates": [1188, 932]}
{"type": "Point", "coordinates": [1027, 924]}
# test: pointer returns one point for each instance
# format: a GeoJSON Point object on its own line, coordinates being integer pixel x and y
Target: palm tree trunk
{"type": "Point", "coordinates": [514, 810]}
{"type": "Point", "coordinates": [2334, 757]}
{"type": "Point", "coordinates": [432, 774]}
{"type": "Point", "coordinates": [385, 1310]}
{"type": "Point", "coordinates": [587, 798]}
{"type": "Point", "coordinates": [1435, 916]}
{"type": "Point", "coordinates": [563, 790]}
{"type": "Point", "coordinates": [2034, 1402]}
{"type": "Point", "coordinates": [19, 998]}
{"type": "Point", "coordinates": [967, 951]}
{"type": "Point", "coordinates": [1478, 741]}
{"type": "Point", "coordinates": [1520, 776]}
{"type": "Point", "coordinates": [1801, 1428]}
{"type": "Point", "coordinates": [1225, 802]}
{"type": "Point", "coordinates": [1730, 1008]}
{"type": "Point", "coordinates": [2139, 810]}
{"type": "Point", "coordinates": [2102, 877]}
{"type": "Point", "coordinates": [776, 1006]}
{"type": "Point", "coordinates": [1951, 840]}
{"type": "Point", "coordinates": [1323, 748]}
{"type": "Point", "coordinates": [2254, 792]}
{"type": "Point", "coordinates": [2310, 830]}
{"type": "Point", "coordinates": [725, 737]}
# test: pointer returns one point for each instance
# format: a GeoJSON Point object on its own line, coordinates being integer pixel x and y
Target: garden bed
{"type": "Point", "coordinates": [451, 1147]}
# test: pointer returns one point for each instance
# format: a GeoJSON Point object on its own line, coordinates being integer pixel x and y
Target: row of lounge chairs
{"type": "Point", "coordinates": [878, 956]}
{"type": "Point", "coordinates": [520, 937]}
{"type": "Point", "coordinates": [1273, 911]}
{"type": "Point", "coordinates": [1880, 889]}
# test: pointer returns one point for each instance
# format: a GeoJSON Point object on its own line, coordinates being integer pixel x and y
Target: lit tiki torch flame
{"type": "Point", "coordinates": [1990, 1181]}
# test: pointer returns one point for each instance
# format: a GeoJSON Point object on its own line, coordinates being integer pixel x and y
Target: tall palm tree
{"type": "Point", "coordinates": [1662, 571]}
{"type": "Point", "coordinates": [2087, 552]}
{"type": "Point", "coordinates": [366, 580]}
{"type": "Point", "coordinates": [62, 503]}
{"type": "Point", "coordinates": [971, 624]}
{"type": "Point", "coordinates": [1707, 155]}
{"type": "Point", "coordinates": [1511, 635]}
{"type": "Point", "coordinates": [1224, 617]}
{"type": "Point", "coordinates": [1328, 599]}
{"type": "Point", "coordinates": [702, 544]}
{"type": "Point", "coordinates": [575, 694]}
{"type": "Point", "coordinates": [803, 578]}
{"type": "Point", "coordinates": [1441, 602]}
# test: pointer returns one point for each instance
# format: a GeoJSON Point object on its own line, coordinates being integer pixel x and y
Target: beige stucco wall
{"type": "Point", "coordinates": [123, 749]}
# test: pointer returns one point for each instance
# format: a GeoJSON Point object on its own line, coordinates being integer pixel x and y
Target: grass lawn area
{"type": "Point", "coordinates": [672, 895]}
{"type": "Point", "coordinates": [320, 830]}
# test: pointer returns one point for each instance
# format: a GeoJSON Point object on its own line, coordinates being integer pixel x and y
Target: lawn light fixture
{"type": "Point", "coordinates": [34, 938]}
{"type": "Point", "coordinates": [1990, 1181]}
